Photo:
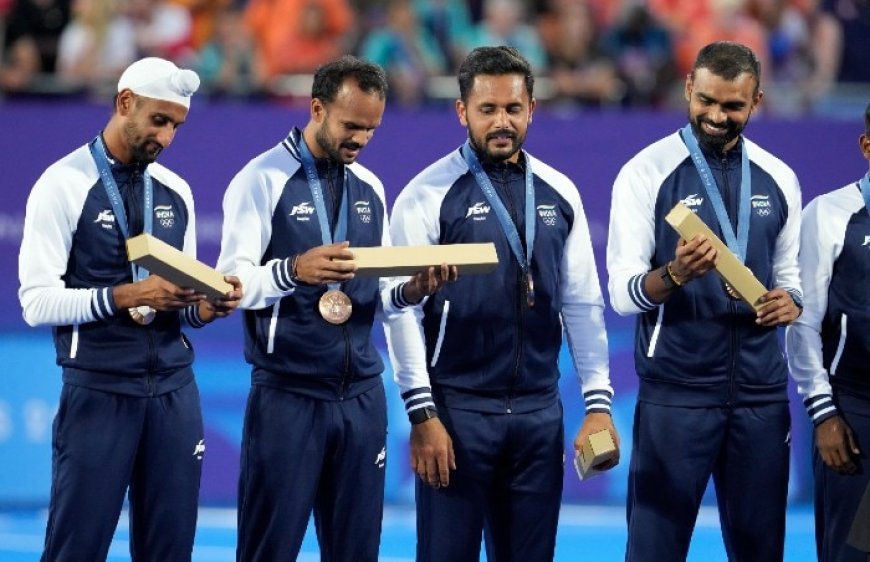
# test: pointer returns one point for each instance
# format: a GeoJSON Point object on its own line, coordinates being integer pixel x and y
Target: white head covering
{"type": "Point", "coordinates": [160, 79]}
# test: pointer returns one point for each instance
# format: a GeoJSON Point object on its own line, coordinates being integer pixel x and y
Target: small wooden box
{"type": "Point", "coordinates": [175, 266]}
{"type": "Point", "coordinates": [598, 448]}
{"type": "Point", "coordinates": [737, 275]}
{"type": "Point", "coordinates": [392, 261]}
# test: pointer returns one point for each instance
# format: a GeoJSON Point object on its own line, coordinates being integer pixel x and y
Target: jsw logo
{"type": "Point", "coordinates": [866, 241]}
{"type": "Point", "coordinates": [381, 459]}
{"type": "Point", "coordinates": [303, 208]}
{"type": "Point", "coordinates": [478, 209]}
{"type": "Point", "coordinates": [105, 216]}
{"type": "Point", "coordinates": [692, 200]}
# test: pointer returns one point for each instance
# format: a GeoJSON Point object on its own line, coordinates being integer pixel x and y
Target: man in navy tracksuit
{"type": "Point", "coordinates": [480, 380]}
{"type": "Point", "coordinates": [829, 353]}
{"type": "Point", "coordinates": [129, 414]}
{"type": "Point", "coordinates": [712, 396]}
{"type": "Point", "coordinates": [315, 426]}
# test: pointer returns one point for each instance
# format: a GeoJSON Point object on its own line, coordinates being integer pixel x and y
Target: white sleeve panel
{"type": "Point", "coordinates": [786, 272]}
{"type": "Point", "coordinates": [631, 235]}
{"type": "Point", "coordinates": [582, 303]}
{"type": "Point", "coordinates": [414, 222]}
{"type": "Point", "coordinates": [52, 214]}
{"type": "Point", "coordinates": [822, 231]}
{"type": "Point", "coordinates": [248, 206]}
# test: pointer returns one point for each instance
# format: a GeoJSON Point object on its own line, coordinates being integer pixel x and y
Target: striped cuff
{"type": "Point", "coordinates": [103, 303]}
{"type": "Point", "coordinates": [820, 408]}
{"type": "Point", "coordinates": [397, 295]}
{"type": "Point", "coordinates": [638, 294]}
{"type": "Point", "coordinates": [598, 401]}
{"type": "Point", "coordinates": [282, 275]}
{"type": "Point", "coordinates": [417, 398]}
{"type": "Point", "coordinates": [191, 316]}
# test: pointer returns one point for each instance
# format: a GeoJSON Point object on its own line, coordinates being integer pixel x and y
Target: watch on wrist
{"type": "Point", "coordinates": [667, 278]}
{"type": "Point", "coordinates": [422, 414]}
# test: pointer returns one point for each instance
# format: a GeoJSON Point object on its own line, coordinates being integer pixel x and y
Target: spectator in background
{"type": "Point", "coordinates": [297, 36]}
{"type": "Point", "coordinates": [95, 47]}
{"type": "Point", "coordinates": [580, 71]}
{"type": "Point", "coordinates": [31, 39]}
{"type": "Point", "coordinates": [449, 22]}
{"type": "Point", "coordinates": [407, 52]}
{"type": "Point", "coordinates": [503, 24]}
{"type": "Point", "coordinates": [226, 63]}
{"type": "Point", "coordinates": [804, 46]}
{"type": "Point", "coordinates": [641, 50]}
{"type": "Point", "coordinates": [204, 15]}
{"type": "Point", "coordinates": [160, 29]}
{"type": "Point", "coordinates": [854, 17]}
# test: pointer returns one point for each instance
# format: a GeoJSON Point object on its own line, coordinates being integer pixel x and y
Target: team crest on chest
{"type": "Point", "coordinates": [548, 214]}
{"type": "Point", "coordinates": [363, 211]}
{"type": "Point", "coordinates": [164, 215]}
{"type": "Point", "coordinates": [761, 205]}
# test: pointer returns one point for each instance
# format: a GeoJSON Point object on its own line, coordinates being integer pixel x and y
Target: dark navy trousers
{"type": "Point", "coordinates": [301, 454]}
{"type": "Point", "coordinates": [105, 443]}
{"type": "Point", "coordinates": [674, 453]}
{"type": "Point", "coordinates": [837, 495]}
{"type": "Point", "coordinates": [507, 486]}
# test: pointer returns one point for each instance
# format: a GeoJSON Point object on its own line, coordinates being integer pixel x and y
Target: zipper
{"type": "Point", "coordinates": [152, 360]}
{"type": "Point", "coordinates": [345, 377]}
{"type": "Point", "coordinates": [505, 183]}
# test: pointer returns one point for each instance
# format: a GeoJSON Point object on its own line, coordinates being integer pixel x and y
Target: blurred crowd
{"type": "Point", "coordinates": [592, 53]}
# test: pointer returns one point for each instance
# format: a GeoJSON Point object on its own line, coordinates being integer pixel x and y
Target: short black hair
{"type": "Point", "coordinates": [329, 77]}
{"type": "Point", "coordinates": [728, 60]}
{"type": "Point", "coordinates": [867, 120]}
{"type": "Point", "coordinates": [493, 61]}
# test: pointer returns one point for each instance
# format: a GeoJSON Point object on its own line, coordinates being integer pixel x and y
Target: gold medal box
{"type": "Point", "coordinates": [739, 279]}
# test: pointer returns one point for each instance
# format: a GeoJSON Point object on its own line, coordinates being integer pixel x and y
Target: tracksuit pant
{"type": "Point", "coordinates": [507, 486]}
{"type": "Point", "coordinates": [837, 496]}
{"type": "Point", "coordinates": [301, 454]}
{"type": "Point", "coordinates": [674, 453]}
{"type": "Point", "coordinates": [105, 444]}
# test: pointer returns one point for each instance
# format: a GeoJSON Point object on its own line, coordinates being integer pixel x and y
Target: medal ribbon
{"type": "Point", "coordinates": [319, 205]}
{"type": "Point", "coordinates": [739, 243]}
{"type": "Point", "coordinates": [507, 224]}
{"type": "Point", "coordinates": [98, 151]}
{"type": "Point", "coordinates": [864, 183]}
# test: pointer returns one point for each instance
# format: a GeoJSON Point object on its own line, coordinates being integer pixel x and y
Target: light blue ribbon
{"type": "Point", "coordinates": [98, 151]}
{"type": "Point", "coordinates": [310, 168]}
{"type": "Point", "coordinates": [739, 243]}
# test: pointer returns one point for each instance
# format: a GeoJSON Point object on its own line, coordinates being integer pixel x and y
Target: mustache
{"type": "Point", "coordinates": [501, 133]}
{"type": "Point", "coordinates": [351, 145]}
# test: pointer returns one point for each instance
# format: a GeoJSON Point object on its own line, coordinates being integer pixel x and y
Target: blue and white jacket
{"type": "Point", "coordinates": [485, 349]}
{"type": "Point", "coordinates": [829, 345]}
{"type": "Point", "coordinates": [700, 347]}
{"type": "Point", "coordinates": [269, 216]}
{"type": "Point", "coordinates": [73, 254]}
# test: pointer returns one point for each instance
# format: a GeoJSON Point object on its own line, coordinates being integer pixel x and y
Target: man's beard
{"type": "Point", "coordinates": [716, 143]}
{"type": "Point", "coordinates": [325, 142]}
{"type": "Point", "coordinates": [501, 156]}
{"type": "Point", "coordinates": [141, 154]}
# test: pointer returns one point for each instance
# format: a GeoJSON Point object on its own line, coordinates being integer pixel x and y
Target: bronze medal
{"type": "Point", "coordinates": [530, 290]}
{"type": "Point", "coordinates": [142, 315]}
{"type": "Point", "coordinates": [335, 306]}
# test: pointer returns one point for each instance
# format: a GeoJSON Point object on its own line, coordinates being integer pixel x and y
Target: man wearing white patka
{"type": "Point", "coordinates": [129, 414]}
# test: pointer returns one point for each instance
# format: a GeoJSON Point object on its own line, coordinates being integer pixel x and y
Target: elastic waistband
{"type": "Point", "coordinates": [518, 403]}
{"type": "Point", "coordinates": [322, 388]}
{"type": "Point", "coordinates": [139, 385]}
{"type": "Point", "coordinates": [669, 393]}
